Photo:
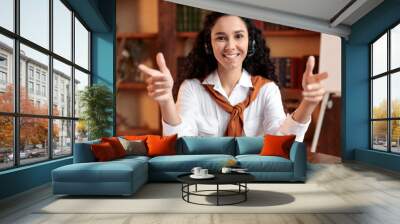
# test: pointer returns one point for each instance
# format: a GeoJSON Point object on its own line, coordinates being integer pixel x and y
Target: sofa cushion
{"type": "Point", "coordinates": [111, 171]}
{"type": "Point", "coordinates": [206, 145]}
{"type": "Point", "coordinates": [185, 163]}
{"type": "Point", "coordinates": [249, 145]}
{"type": "Point", "coordinates": [257, 163]}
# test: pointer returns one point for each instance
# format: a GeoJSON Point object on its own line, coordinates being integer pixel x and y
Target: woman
{"type": "Point", "coordinates": [228, 87]}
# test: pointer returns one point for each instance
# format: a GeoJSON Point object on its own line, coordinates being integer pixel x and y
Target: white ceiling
{"type": "Point", "coordinates": [325, 16]}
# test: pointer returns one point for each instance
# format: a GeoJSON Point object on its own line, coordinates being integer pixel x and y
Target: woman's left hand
{"type": "Point", "coordinates": [313, 91]}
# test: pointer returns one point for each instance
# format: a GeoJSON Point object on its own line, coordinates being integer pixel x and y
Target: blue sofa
{"type": "Point", "coordinates": [126, 175]}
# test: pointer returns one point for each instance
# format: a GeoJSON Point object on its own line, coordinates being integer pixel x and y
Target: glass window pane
{"type": "Point", "coordinates": [379, 55]}
{"type": "Point", "coordinates": [81, 131]}
{"type": "Point", "coordinates": [379, 98]}
{"type": "Point", "coordinates": [395, 47]}
{"type": "Point", "coordinates": [379, 135]}
{"type": "Point", "coordinates": [395, 136]}
{"type": "Point", "coordinates": [7, 14]}
{"type": "Point", "coordinates": [34, 80]}
{"type": "Point", "coordinates": [33, 140]}
{"type": "Point", "coordinates": [62, 29]}
{"type": "Point", "coordinates": [6, 74]}
{"type": "Point", "coordinates": [81, 81]}
{"type": "Point", "coordinates": [395, 94]}
{"type": "Point", "coordinates": [62, 138]}
{"type": "Point", "coordinates": [6, 142]}
{"type": "Point", "coordinates": [35, 21]}
{"type": "Point", "coordinates": [62, 89]}
{"type": "Point", "coordinates": [81, 45]}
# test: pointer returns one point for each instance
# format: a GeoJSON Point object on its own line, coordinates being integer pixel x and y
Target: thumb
{"type": "Point", "coordinates": [161, 63]}
{"type": "Point", "coordinates": [310, 66]}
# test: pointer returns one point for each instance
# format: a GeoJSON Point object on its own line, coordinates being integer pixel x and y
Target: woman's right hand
{"type": "Point", "coordinates": [159, 82]}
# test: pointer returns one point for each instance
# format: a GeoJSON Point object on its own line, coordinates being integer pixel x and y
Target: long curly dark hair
{"type": "Point", "coordinates": [198, 64]}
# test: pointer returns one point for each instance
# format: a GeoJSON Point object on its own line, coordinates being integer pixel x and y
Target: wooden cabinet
{"type": "Point", "coordinates": [149, 26]}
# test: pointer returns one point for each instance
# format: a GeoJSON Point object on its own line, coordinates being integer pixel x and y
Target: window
{"type": "Point", "coordinates": [54, 125]}
{"type": "Point", "coordinates": [34, 21]}
{"type": "Point", "coordinates": [30, 73]}
{"type": "Point", "coordinates": [43, 77]}
{"type": "Point", "coordinates": [81, 45]}
{"type": "Point", "coordinates": [38, 89]}
{"type": "Point", "coordinates": [43, 90]}
{"type": "Point", "coordinates": [3, 72]}
{"type": "Point", "coordinates": [7, 14]}
{"type": "Point", "coordinates": [385, 94]}
{"type": "Point", "coordinates": [37, 75]}
{"type": "Point", "coordinates": [3, 78]}
{"type": "Point", "coordinates": [30, 87]}
{"type": "Point", "coordinates": [3, 61]}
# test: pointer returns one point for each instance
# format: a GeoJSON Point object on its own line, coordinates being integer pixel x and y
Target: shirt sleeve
{"type": "Point", "coordinates": [275, 121]}
{"type": "Point", "coordinates": [187, 110]}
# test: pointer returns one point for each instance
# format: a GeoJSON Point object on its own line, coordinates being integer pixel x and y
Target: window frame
{"type": "Point", "coordinates": [16, 115]}
{"type": "Point", "coordinates": [388, 74]}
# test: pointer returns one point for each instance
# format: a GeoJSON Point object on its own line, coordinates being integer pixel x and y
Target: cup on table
{"type": "Point", "coordinates": [196, 170]}
{"type": "Point", "coordinates": [226, 170]}
{"type": "Point", "coordinates": [203, 172]}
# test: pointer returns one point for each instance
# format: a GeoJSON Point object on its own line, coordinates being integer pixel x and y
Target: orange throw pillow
{"type": "Point", "coordinates": [116, 145]}
{"type": "Point", "coordinates": [277, 145]}
{"type": "Point", "coordinates": [161, 145]}
{"type": "Point", "coordinates": [103, 151]}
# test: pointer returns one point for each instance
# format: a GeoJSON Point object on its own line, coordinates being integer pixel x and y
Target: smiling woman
{"type": "Point", "coordinates": [228, 86]}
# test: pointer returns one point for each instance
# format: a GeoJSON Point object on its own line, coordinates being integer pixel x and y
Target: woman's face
{"type": "Point", "coordinates": [229, 40]}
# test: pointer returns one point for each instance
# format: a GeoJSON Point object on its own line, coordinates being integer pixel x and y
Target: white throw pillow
{"type": "Point", "coordinates": [133, 147]}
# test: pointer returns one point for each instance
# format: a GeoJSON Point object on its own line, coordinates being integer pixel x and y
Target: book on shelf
{"type": "Point", "coordinates": [189, 19]}
{"type": "Point", "coordinates": [289, 70]}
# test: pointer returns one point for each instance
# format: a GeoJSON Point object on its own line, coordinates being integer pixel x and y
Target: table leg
{"type": "Point", "coordinates": [217, 194]}
{"type": "Point", "coordinates": [245, 191]}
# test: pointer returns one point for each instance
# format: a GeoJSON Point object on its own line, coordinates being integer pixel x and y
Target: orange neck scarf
{"type": "Point", "coordinates": [235, 125]}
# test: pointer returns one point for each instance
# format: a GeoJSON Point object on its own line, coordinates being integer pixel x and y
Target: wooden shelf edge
{"type": "Point", "coordinates": [126, 86]}
{"type": "Point", "coordinates": [289, 33]}
{"type": "Point", "coordinates": [191, 35]}
{"type": "Point", "coordinates": [134, 35]}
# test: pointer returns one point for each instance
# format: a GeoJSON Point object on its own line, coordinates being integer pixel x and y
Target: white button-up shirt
{"type": "Point", "coordinates": [202, 116]}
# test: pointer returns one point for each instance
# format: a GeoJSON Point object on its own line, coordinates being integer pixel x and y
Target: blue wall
{"type": "Point", "coordinates": [99, 15]}
{"type": "Point", "coordinates": [355, 82]}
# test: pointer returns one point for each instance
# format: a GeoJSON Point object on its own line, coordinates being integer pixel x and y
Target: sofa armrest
{"type": "Point", "coordinates": [83, 152]}
{"type": "Point", "coordinates": [298, 155]}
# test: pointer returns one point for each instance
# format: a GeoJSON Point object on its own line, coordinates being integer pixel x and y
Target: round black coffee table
{"type": "Point", "coordinates": [238, 179]}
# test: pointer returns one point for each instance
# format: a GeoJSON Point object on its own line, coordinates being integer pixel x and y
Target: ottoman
{"type": "Point", "coordinates": [118, 177]}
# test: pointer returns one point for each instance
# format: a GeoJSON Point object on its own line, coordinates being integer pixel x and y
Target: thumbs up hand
{"type": "Point", "coordinates": [313, 91]}
{"type": "Point", "coordinates": [159, 82]}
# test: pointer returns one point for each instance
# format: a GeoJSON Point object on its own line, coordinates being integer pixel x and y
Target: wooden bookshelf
{"type": "Point", "coordinates": [289, 33]}
{"type": "Point", "coordinates": [191, 35]}
{"type": "Point", "coordinates": [175, 44]}
{"type": "Point", "coordinates": [134, 35]}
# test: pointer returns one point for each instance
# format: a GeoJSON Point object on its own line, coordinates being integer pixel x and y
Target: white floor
{"type": "Point", "coordinates": [377, 188]}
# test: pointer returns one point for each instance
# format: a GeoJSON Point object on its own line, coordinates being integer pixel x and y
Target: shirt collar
{"type": "Point", "coordinates": [213, 79]}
